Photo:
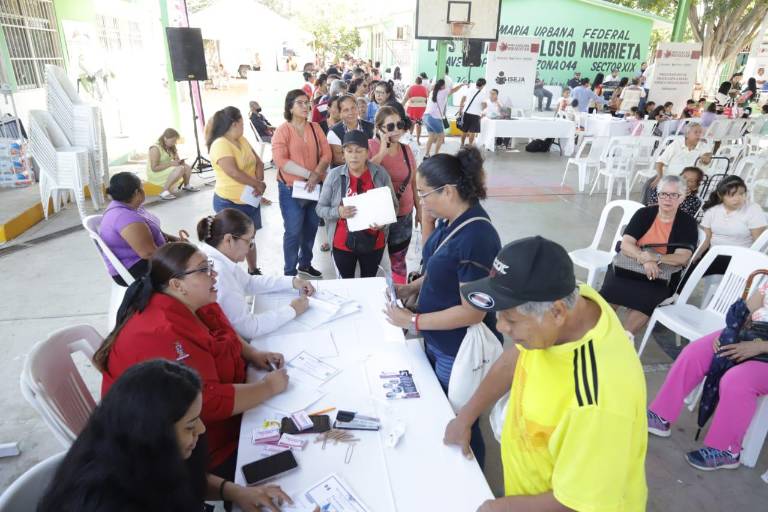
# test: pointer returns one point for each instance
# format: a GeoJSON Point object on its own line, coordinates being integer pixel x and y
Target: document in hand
{"type": "Point", "coordinates": [330, 494]}
{"type": "Point", "coordinates": [324, 307]}
{"type": "Point", "coordinates": [248, 198]}
{"type": "Point", "coordinates": [300, 192]}
{"type": "Point", "coordinates": [373, 207]}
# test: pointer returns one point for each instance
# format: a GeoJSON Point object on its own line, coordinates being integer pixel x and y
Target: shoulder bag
{"type": "Point", "coordinates": [404, 185]}
{"type": "Point", "coordinates": [624, 266]}
{"type": "Point", "coordinates": [446, 124]}
{"type": "Point", "coordinates": [460, 121]}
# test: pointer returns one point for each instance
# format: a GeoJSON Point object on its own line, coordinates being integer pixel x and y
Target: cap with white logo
{"type": "Point", "coordinates": [531, 269]}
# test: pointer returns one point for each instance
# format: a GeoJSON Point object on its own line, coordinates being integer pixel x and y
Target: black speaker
{"type": "Point", "coordinates": [473, 56]}
{"type": "Point", "coordinates": [187, 55]}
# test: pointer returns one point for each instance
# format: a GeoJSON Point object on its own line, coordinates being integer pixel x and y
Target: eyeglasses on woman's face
{"type": "Point", "coordinates": [300, 103]}
{"type": "Point", "coordinates": [250, 241]}
{"type": "Point", "coordinates": [669, 195]}
{"type": "Point", "coordinates": [424, 195]}
{"type": "Point", "coordinates": [207, 269]}
{"type": "Point", "coordinates": [390, 127]}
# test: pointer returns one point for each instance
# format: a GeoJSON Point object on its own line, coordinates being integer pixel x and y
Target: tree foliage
{"type": "Point", "coordinates": [333, 42]}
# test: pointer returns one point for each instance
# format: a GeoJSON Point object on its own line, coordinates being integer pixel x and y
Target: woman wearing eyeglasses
{"type": "Point", "coordinates": [398, 160]}
{"type": "Point", "coordinates": [664, 223]}
{"type": "Point", "coordinates": [226, 239]}
{"type": "Point", "coordinates": [357, 176]}
{"type": "Point", "coordinates": [461, 249]}
{"type": "Point", "coordinates": [172, 314]}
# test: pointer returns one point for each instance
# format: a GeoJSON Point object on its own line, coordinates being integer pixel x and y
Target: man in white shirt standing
{"type": "Point", "coordinates": [470, 117]}
{"type": "Point", "coordinates": [683, 153]}
{"type": "Point", "coordinates": [631, 96]}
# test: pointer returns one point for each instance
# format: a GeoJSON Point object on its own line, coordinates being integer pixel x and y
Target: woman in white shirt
{"type": "Point", "coordinates": [226, 239]}
{"type": "Point", "coordinates": [731, 219]}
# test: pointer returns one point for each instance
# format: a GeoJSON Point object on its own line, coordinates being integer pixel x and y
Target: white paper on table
{"type": "Point", "coordinates": [248, 198]}
{"type": "Point", "coordinates": [310, 369]}
{"type": "Point", "coordinates": [331, 494]}
{"type": "Point", "coordinates": [300, 192]}
{"type": "Point", "coordinates": [373, 207]}
{"type": "Point", "coordinates": [322, 343]}
{"type": "Point", "coordinates": [296, 397]}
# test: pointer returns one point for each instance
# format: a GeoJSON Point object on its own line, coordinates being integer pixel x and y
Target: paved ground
{"type": "Point", "coordinates": [59, 281]}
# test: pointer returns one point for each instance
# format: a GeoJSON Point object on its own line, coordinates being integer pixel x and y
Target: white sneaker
{"type": "Point", "coordinates": [166, 196]}
{"type": "Point", "coordinates": [190, 188]}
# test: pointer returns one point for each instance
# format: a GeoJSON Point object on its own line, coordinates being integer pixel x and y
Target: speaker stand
{"type": "Point", "coordinates": [201, 164]}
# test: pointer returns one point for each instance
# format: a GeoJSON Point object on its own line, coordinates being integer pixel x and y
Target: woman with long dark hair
{"type": "Point", "coordinates": [164, 167]}
{"type": "Point", "coordinates": [301, 153]}
{"type": "Point", "coordinates": [172, 313]}
{"type": "Point", "coordinates": [143, 449]}
{"type": "Point", "coordinates": [435, 113]}
{"type": "Point", "coordinates": [461, 249]}
{"type": "Point", "coordinates": [236, 166]}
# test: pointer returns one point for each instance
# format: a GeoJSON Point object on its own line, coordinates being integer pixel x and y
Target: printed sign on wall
{"type": "Point", "coordinates": [512, 69]}
{"type": "Point", "coordinates": [674, 74]}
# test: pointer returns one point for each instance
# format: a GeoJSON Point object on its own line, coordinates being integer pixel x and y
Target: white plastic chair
{"type": "Point", "coordinates": [584, 159]}
{"type": "Point", "coordinates": [736, 130]}
{"type": "Point", "coordinates": [682, 125]}
{"type": "Point", "coordinates": [692, 322]}
{"type": "Point", "coordinates": [62, 166]}
{"type": "Point", "coordinates": [25, 492]}
{"type": "Point", "coordinates": [51, 383]}
{"type": "Point", "coordinates": [615, 165]}
{"type": "Point", "coordinates": [755, 142]}
{"type": "Point", "coordinates": [594, 259]}
{"type": "Point", "coordinates": [718, 130]}
{"type": "Point", "coordinates": [91, 225]}
{"type": "Point", "coordinates": [649, 125]}
{"type": "Point", "coordinates": [648, 151]}
{"type": "Point", "coordinates": [749, 165]}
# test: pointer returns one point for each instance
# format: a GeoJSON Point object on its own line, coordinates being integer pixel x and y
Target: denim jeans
{"type": "Point", "coordinates": [300, 227]}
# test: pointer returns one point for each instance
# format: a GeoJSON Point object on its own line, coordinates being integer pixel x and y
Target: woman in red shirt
{"type": "Point", "coordinates": [415, 101]}
{"type": "Point", "coordinates": [398, 160]}
{"type": "Point", "coordinates": [356, 176]}
{"type": "Point", "coordinates": [172, 314]}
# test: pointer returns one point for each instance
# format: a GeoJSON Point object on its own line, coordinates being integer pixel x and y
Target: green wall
{"type": "Point", "coordinates": [575, 36]}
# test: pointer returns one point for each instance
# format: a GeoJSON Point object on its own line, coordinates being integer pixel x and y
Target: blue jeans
{"type": "Point", "coordinates": [300, 223]}
{"type": "Point", "coordinates": [442, 364]}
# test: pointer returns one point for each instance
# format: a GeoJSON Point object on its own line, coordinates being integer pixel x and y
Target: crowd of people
{"type": "Point", "coordinates": [165, 434]}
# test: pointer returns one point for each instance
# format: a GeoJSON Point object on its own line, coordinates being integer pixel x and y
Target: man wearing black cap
{"type": "Point", "coordinates": [575, 431]}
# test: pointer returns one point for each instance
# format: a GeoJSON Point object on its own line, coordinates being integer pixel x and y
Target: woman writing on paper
{"type": "Point", "coordinates": [462, 248]}
{"type": "Point", "coordinates": [236, 166]}
{"type": "Point", "coordinates": [301, 153]}
{"type": "Point", "coordinates": [172, 313]}
{"type": "Point", "coordinates": [357, 176]}
{"type": "Point", "coordinates": [226, 239]}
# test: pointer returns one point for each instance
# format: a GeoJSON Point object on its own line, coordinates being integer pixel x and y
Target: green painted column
{"type": "Point", "coordinates": [442, 55]}
{"type": "Point", "coordinates": [172, 92]}
{"type": "Point", "coordinates": [681, 18]}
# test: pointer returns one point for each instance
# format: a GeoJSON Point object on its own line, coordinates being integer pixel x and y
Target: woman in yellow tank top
{"type": "Point", "coordinates": [165, 168]}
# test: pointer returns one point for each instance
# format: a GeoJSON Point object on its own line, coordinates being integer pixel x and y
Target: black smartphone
{"type": "Point", "coordinates": [270, 467]}
{"type": "Point", "coordinates": [320, 423]}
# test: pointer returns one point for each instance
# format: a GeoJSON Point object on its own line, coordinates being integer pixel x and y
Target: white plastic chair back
{"type": "Point", "coordinates": [628, 209]}
{"type": "Point", "coordinates": [737, 129]}
{"type": "Point", "coordinates": [682, 125]}
{"type": "Point", "coordinates": [25, 492]}
{"type": "Point", "coordinates": [745, 166]}
{"type": "Point", "coordinates": [649, 126]}
{"type": "Point", "coordinates": [761, 244]}
{"type": "Point", "coordinates": [718, 130]}
{"type": "Point", "coordinates": [51, 382]}
{"type": "Point", "coordinates": [259, 140]}
{"type": "Point", "coordinates": [91, 225]}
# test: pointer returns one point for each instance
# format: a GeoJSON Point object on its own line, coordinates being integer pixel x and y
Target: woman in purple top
{"type": "Point", "coordinates": [131, 233]}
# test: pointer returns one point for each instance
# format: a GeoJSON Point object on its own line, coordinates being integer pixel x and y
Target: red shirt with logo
{"type": "Point", "coordinates": [356, 186]}
{"type": "Point", "coordinates": [203, 340]}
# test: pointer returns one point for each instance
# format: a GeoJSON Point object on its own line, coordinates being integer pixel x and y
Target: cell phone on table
{"type": "Point", "coordinates": [269, 467]}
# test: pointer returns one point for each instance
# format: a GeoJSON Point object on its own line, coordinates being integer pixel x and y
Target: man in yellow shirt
{"type": "Point", "coordinates": [575, 431]}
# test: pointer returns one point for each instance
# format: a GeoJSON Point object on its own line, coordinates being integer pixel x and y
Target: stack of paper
{"type": "Point", "coordinates": [373, 207]}
{"type": "Point", "coordinates": [325, 306]}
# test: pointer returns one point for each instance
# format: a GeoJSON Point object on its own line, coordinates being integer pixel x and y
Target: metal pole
{"type": "Point", "coordinates": [681, 18]}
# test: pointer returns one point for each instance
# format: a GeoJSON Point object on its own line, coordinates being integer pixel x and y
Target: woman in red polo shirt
{"type": "Point", "coordinates": [172, 314]}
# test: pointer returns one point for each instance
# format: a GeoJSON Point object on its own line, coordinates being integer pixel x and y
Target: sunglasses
{"type": "Point", "coordinates": [392, 126]}
{"type": "Point", "coordinates": [208, 269]}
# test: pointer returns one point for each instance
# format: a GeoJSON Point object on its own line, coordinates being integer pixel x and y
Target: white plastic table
{"type": "Point", "coordinates": [420, 473]}
{"type": "Point", "coordinates": [530, 128]}
{"type": "Point", "coordinates": [605, 125]}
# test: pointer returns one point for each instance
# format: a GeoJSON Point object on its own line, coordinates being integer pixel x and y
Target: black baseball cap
{"type": "Point", "coordinates": [355, 137]}
{"type": "Point", "coordinates": [531, 269]}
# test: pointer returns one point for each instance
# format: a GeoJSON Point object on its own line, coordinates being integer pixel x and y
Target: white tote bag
{"type": "Point", "coordinates": [479, 349]}
{"type": "Point", "coordinates": [498, 415]}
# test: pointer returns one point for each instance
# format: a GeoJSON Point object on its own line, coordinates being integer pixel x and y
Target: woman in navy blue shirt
{"type": "Point", "coordinates": [461, 249]}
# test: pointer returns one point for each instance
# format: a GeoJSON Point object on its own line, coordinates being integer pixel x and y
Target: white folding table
{"type": "Point", "coordinates": [529, 128]}
{"type": "Point", "coordinates": [605, 125]}
{"type": "Point", "coordinates": [420, 473]}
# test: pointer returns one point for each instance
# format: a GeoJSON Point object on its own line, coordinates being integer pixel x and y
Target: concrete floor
{"type": "Point", "coordinates": [59, 280]}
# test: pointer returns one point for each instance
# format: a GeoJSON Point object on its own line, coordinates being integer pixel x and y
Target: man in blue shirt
{"type": "Point", "coordinates": [585, 95]}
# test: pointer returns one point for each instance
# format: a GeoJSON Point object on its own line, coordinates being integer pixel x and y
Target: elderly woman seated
{"type": "Point", "coordinates": [676, 234]}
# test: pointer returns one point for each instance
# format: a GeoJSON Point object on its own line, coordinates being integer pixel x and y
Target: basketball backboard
{"type": "Point", "coordinates": [480, 19]}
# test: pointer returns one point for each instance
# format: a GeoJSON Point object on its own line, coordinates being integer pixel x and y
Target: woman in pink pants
{"type": "Point", "coordinates": [740, 388]}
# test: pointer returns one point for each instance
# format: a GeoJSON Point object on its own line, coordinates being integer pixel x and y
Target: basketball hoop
{"type": "Point", "coordinates": [459, 29]}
